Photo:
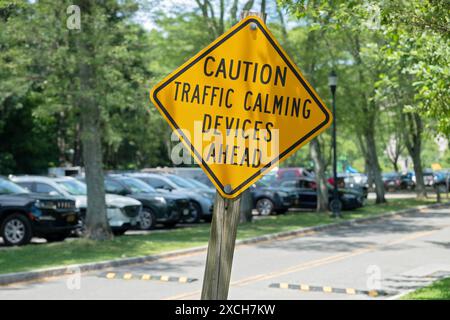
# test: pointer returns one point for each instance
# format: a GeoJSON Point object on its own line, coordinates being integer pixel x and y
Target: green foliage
{"type": "Point", "coordinates": [399, 63]}
{"type": "Point", "coordinates": [438, 290]}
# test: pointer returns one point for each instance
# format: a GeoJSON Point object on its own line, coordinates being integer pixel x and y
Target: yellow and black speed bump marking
{"type": "Point", "coordinates": [350, 291]}
{"type": "Point", "coordinates": [145, 277]}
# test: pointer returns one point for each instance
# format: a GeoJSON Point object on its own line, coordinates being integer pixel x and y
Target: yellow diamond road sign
{"type": "Point", "coordinates": [241, 106]}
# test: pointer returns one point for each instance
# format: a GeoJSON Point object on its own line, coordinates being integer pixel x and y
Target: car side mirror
{"type": "Point", "coordinates": [53, 193]}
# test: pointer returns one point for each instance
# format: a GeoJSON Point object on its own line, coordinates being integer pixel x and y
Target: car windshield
{"type": "Point", "coordinates": [269, 178]}
{"type": "Point", "coordinates": [74, 187]}
{"type": "Point", "coordinates": [137, 186]}
{"type": "Point", "coordinates": [8, 187]}
{"type": "Point", "coordinates": [182, 183]}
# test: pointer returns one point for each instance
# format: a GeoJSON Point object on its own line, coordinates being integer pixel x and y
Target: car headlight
{"type": "Point", "coordinates": [160, 200]}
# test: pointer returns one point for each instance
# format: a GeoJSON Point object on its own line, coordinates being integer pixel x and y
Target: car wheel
{"type": "Point", "coordinates": [148, 219]}
{"type": "Point", "coordinates": [16, 230]}
{"type": "Point", "coordinates": [264, 206]}
{"type": "Point", "coordinates": [335, 204]}
{"type": "Point", "coordinates": [194, 213]}
{"type": "Point", "coordinates": [56, 237]}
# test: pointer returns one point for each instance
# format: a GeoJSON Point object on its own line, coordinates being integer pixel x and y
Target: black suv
{"type": "Point", "coordinates": [24, 215]}
{"type": "Point", "coordinates": [306, 189]}
{"type": "Point", "coordinates": [268, 199]}
{"type": "Point", "coordinates": [157, 207]}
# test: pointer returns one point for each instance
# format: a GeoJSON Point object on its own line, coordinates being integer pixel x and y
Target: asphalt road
{"type": "Point", "coordinates": [391, 256]}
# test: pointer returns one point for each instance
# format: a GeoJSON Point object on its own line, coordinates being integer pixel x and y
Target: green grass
{"type": "Point", "coordinates": [36, 256]}
{"type": "Point", "coordinates": [439, 290]}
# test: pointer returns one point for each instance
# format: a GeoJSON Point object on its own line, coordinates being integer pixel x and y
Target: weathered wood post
{"type": "Point", "coordinates": [226, 216]}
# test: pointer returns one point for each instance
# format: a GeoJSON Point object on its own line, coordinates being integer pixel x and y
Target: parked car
{"type": "Point", "coordinates": [306, 190]}
{"type": "Point", "coordinates": [201, 185]}
{"type": "Point", "coordinates": [293, 173]}
{"type": "Point", "coordinates": [158, 207]}
{"type": "Point", "coordinates": [123, 212]}
{"type": "Point", "coordinates": [355, 181]}
{"type": "Point", "coordinates": [407, 182]}
{"type": "Point", "coordinates": [24, 215]}
{"type": "Point", "coordinates": [442, 180]}
{"type": "Point", "coordinates": [428, 178]}
{"type": "Point", "coordinates": [392, 181]}
{"type": "Point", "coordinates": [201, 202]}
{"type": "Point", "coordinates": [268, 199]}
{"type": "Point", "coordinates": [192, 173]}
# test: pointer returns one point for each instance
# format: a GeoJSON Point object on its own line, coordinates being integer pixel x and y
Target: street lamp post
{"type": "Point", "coordinates": [335, 203]}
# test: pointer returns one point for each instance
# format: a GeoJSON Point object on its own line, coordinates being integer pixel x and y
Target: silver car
{"type": "Point", "coordinates": [123, 212]}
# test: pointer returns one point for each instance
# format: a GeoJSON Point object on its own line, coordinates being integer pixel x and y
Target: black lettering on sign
{"type": "Point", "coordinates": [196, 94]}
{"type": "Point", "coordinates": [269, 125]}
{"type": "Point", "coordinates": [238, 70]}
{"type": "Point", "coordinates": [247, 65]}
{"type": "Point", "coordinates": [246, 106]}
{"type": "Point", "coordinates": [205, 66]}
{"type": "Point", "coordinates": [275, 104]}
{"type": "Point", "coordinates": [217, 124]}
{"type": "Point", "coordinates": [228, 104]}
{"type": "Point", "coordinates": [221, 69]}
{"type": "Point", "coordinates": [256, 162]}
{"type": "Point", "coordinates": [241, 69]}
{"type": "Point", "coordinates": [266, 73]}
{"type": "Point", "coordinates": [206, 120]}
{"type": "Point", "coordinates": [177, 83]}
{"type": "Point", "coordinates": [280, 75]}
{"type": "Point", "coordinates": [306, 112]}
{"type": "Point", "coordinates": [205, 93]}
{"type": "Point", "coordinates": [186, 88]}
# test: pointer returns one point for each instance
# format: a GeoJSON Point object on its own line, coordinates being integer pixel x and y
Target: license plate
{"type": "Point", "coordinates": [71, 218]}
{"type": "Point", "coordinates": [185, 212]}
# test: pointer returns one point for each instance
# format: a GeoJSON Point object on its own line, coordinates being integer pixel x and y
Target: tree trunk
{"type": "Point", "coordinates": [413, 140]}
{"type": "Point", "coordinates": [370, 181]}
{"type": "Point", "coordinates": [395, 164]}
{"type": "Point", "coordinates": [76, 159]}
{"type": "Point", "coordinates": [97, 226]}
{"type": "Point", "coordinates": [246, 207]}
{"type": "Point", "coordinates": [374, 165]}
{"type": "Point", "coordinates": [319, 169]}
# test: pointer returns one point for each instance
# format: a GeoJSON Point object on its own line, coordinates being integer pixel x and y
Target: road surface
{"type": "Point", "coordinates": [388, 257]}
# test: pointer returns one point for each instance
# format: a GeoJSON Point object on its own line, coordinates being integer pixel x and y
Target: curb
{"type": "Point", "coordinates": [11, 278]}
{"type": "Point", "coordinates": [145, 277]}
{"type": "Point", "coordinates": [327, 289]}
